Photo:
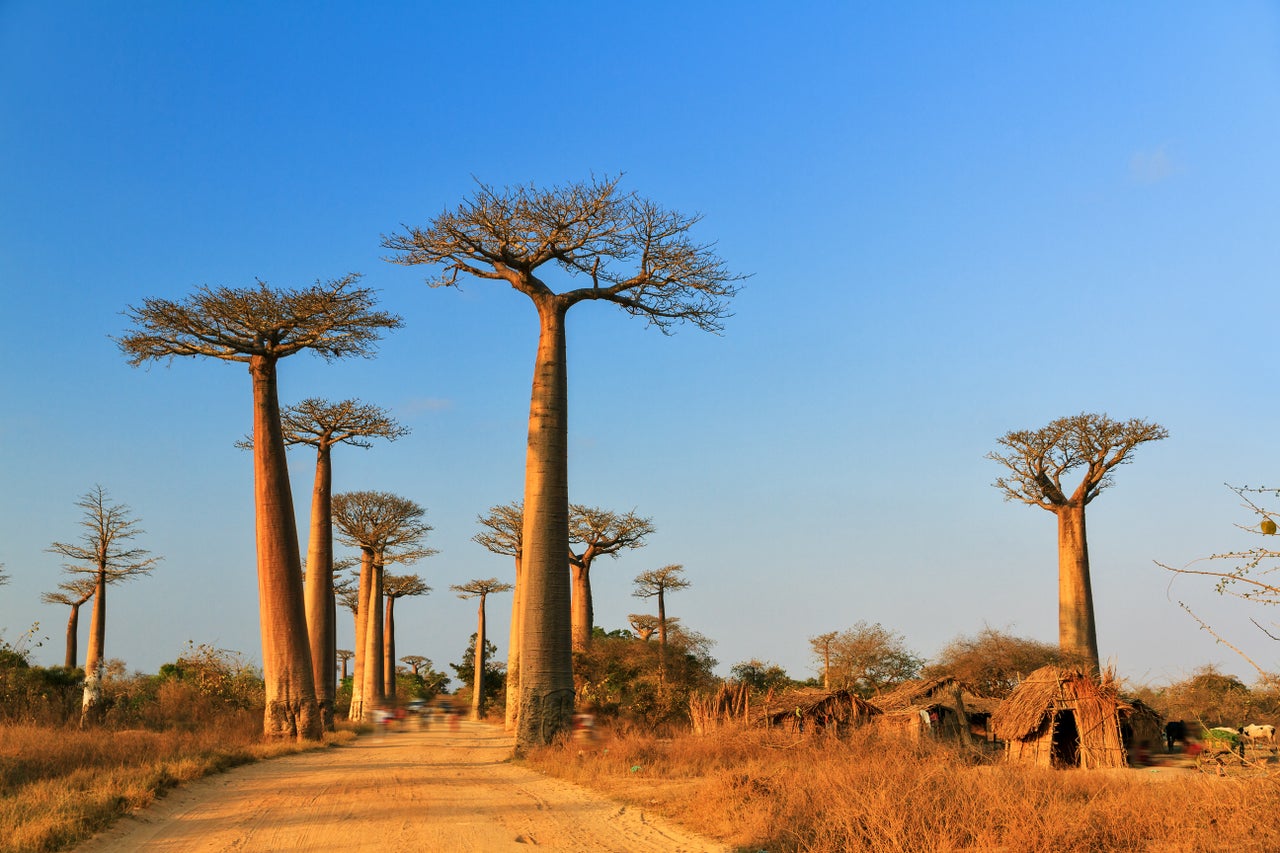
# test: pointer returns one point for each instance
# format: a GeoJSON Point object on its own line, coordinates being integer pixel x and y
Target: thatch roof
{"type": "Point", "coordinates": [1028, 720]}
{"type": "Point", "coordinates": [820, 707]}
{"type": "Point", "coordinates": [934, 691]}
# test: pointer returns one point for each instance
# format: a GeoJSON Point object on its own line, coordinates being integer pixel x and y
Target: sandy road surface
{"type": "Point", "coordinates": [438, 790]}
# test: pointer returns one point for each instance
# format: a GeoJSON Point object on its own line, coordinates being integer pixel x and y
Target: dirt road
{"type": "Point", "coordinates": [438, 790]}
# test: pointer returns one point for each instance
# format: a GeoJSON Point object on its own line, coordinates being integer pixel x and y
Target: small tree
{"type": "Point", "coordinates": [993, 662]}
{"type": "Point", "coordinates": [480, 589]}
{"type": "Point", "coordinates": [637, 256]}
{"type": "Point", "coordinates": [502, 534]}
{"type": "Point", "coordinates": [492, 677]}
{"type": "Point", "coordinates": [1037, 461]}
{"type": "Point", "coordinates": [644, 624]}
{"type": "Point", "coordinates": [104, 555]}
{"type": "Point", "coordinates": [73, 594]}
{"type": "Point", "coordinates": [258, 326]}
{"type": "Point", "coordinates": [821, 646]}
{"type": "Point", "coordinates": [656, 583]}
{"type": "Point", "coordinates": [868, 658]}
{"type": "Point", "coordinates": [760, 675]}
{"type": "Point", "coordinates": [395, 587]}
{"type": "Point", "coordinates": [600, 533]}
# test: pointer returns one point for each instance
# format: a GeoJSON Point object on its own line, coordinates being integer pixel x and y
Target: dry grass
{"type": "Point", "coordinates": [60, 785]}
{"type": "Point", "coordinates": [761, 791]}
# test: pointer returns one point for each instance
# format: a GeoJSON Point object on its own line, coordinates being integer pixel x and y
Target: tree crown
{"type": "Point", "coordinates": [603, 532]}
{"type": "Point", "coordinates": [107, 526]}
{"type": "Point", "coordinates": [637, 255]}
{"type": "Point", "coordinates": [658, 581]}
{"type": "Point", "coordinates": [334, 319]}
{"type": "Point", "coordinates": [480, 588]}
{"type": "Point", "coordinates": [1038, 459]}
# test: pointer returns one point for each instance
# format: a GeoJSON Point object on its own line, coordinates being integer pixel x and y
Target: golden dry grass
{"type": "Point", "coordinates": [60, 785]}
{"type": "Point", "coordinates": [762, 791]}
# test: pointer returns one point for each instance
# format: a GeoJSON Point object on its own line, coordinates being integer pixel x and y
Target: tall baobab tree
{"type": "Point", "coordinates": [258, 326]}
{"type": "Point", "coordinates": [74, 594]}
{"type": "Point", "coordinates": [324, 425]}
{"type": "Point", "coordinates": [343, 656]}
{"type": "Point", "coordinates": [1037, 461]}
{"type": "Point", "coordinates": [821, 646]}
{"type": "Point", "coordinates": [416, 662]}
{"type": "Point", "coordinates": [386, 528]}
{"type": "Point", "coordinates": [600, 532]}
{"type": "Point", "coordinates": [103, 554]}
{"type": "Point", "coordinates": [644, 624]}
{"type": "Point", "coordinates": [656, 583]}
{"type": "Point", "coordinates": [503, 529]}
{"type": "Point", "coordinates": [637, 256]}
{"type": "Point", "coordinates": [480, 589]}
{"type": "Point", "coordinates": [395, 587]}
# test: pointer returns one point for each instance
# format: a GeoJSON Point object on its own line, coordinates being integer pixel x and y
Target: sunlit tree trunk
{"type": "Point", "coordinates": [1076, 628]}
{"type": "Point", "coordinates": [513, 651]}
{"type": "Point", "coordinates": [363, 597]}
{"type": "Point", "coordinates": [546, 660]}
{"type": "Point", "coordinates": [73, 638]}
{"type": "Point", "coordinates": [291, 709]}
{"type": "Point", "coordinates": [583, 610]}
{"type": "Point", "coordinates": [389, 649]}
{"type": "Point", "coordinates": [91, 703]}
{"type": "Point", "coordinates": [662, 636]}
{"type": "Point", "coordinates": [320, 606]}
{"type": "Point", "coordinates": [477, 694]}
{"type": "Point", "coordinates": [374, 687]}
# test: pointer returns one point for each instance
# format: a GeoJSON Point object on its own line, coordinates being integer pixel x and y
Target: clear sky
{"type": "Point", "coordinates": [959, 219]}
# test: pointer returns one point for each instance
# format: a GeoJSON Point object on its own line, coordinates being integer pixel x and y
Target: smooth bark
{"type": "Point", "coordinates": [513, 651]}
{"type": "Point", "coordinates": [321, 608]}
{"type": "Point", "coordinates": [1077, 632]}
{"type": "Point", "coordinates": [389, 649]}
{"type": "Point", "coordinates": [477, 681]}
{"type": "Point", "coordinates": [364, 596]}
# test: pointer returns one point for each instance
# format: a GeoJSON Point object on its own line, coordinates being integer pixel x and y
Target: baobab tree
{"type": "Point", "coordinates": [343, 657]}
{"type": "Point", "coordinates": [644, 624]}
{"type": "Point", "coordinates": [104, 555]}
{"type": "Point", "coordinates": [74, 594]}
{"type": "Point", "coordinates": [637, 256]}
{"type": "Point", "coordinates": [821, 646]}
{"type": "Point", "coordinates": [503, 529]}
{"type": "Point", "coordinates": [258, 326]}
{"type": "Point", "coordinates": [386, 528]}
{"type": "Point", "coordinates": [656, 583]}
{"type": "Point", "coordinates": [416, 662]}
{"type": "Point", "coordinates": [324, 425]}
{"type": "Point", "coordinates": [480, 589]}
{"type": "Point", "coordinates": [395, 587]}
{"type": "Point", "coordinates": [1037, 461]}
{"type": "Point", "coordinates": [599, 532]}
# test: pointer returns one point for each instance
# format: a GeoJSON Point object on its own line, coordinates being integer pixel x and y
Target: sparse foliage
{"type": "Point", "coordinates": [869, 658]}
{"type": "Point", "coordinates": [656, 583]}
{"type": "Point", "coordinates": [258, 326]}
{"type": "Point", "coordinates": [1037, 460]}
{"type": "Point", "coordinates": [992, 662]}
{"type": "Point", "coordinates": [480, 589]}
{"type": "Point", "coordinates": [599, 532]}
{"type": "Point", "coordinates": [633, 254]}
{"type": "Point", "coordinates": [502, 533]}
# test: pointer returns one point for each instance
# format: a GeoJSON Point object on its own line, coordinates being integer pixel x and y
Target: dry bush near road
{"type": "Point", "coordinates": [59, 785]}
{"type": "Point", "coordinates": [765, 791]}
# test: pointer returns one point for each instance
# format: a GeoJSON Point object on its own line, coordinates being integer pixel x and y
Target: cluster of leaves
{"type": "Point", "coordinates": [35, 694]}
{"type": "Point", "coordinates": [217, 676]}
{"type": "Point", "coordinates": [619, 677]}
{"type": "Point", "coordinates": [866, 659]}
{"type": "Point", "coordinates": [992, 662]}
{"type": "Point", "coordinates": [495, 674]}
{"type": "Point", "coordinates": [1212, 698]}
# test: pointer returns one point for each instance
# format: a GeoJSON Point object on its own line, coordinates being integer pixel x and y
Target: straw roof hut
{"type": "Point", "coordinates": [811, 709]}
{"type": "Point", "coordinates": [1062, 718]}
{"type": "Point", "coordinates": [939, 707]}
{"type": "Point", "coordinates": [1140, 725]}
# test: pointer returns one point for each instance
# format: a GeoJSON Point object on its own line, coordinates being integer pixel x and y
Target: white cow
{"type": "Point", "coordinates": [1260, 734]}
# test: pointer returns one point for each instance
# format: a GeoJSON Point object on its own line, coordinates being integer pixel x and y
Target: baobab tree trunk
{"type": "Point", "coordinates": [374, 693]}
{"type": "Point", "coordinates": [1076, 629]}
{"type": "Point", "coordinates": [477, 682]}
{"type": "Point", "coordinates": [364, 594]}
{"type": "Point", "coordinates": [513, 651]}
{"type": "Point", "coordinates": [389, 649]}
{"type": "Point", "coordinates": [73, 636]}
{"type": "Point", "coordinates": [546, 659]}
{"type": "Point", "coordinates": [662, 637]}
{"type": "Point", "coordinates": [583, 612]}
{"type": "Point", "coordinates": [91, 703]}
{"type": "Point", "coordinates": [320, 606]}
{"type": "Point", "coordinates": [286, 654]}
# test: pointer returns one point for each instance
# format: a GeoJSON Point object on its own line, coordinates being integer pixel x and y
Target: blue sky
{"type": "Point", "coordinates": [959, 220]}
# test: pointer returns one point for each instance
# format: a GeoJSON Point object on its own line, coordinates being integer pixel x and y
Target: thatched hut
{"type": "Point", "coordinates": [941, 707]}
{"type": "Point", "coordinates": [1062, 718]}
{"type": "Point", "coordinates": [1141, 726]}
{"type": "Point", "coordinates": [809, 709]}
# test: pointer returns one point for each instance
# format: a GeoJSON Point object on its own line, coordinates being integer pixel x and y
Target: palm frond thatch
{"type": "Point", "coordinates": [1063, 716]}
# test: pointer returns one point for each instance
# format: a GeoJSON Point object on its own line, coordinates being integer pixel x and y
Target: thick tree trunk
{"type": "Point", "coordinates": [291, 710]}
{"type": "Point", "coordinates": [364, 594]}
{"type": "Point", "coordinates": [91, 703]}
{"type": "Point", "coordinates": [73, 636]}
{"type": "Point", "coordinates": [546, 659]}
{"type": "Point", "coordinates": [477, 682]}
{"type": "Point", "coordinates": [662, 637]}
{"type": "Point", "coordinates": [374, 693]}
{"type": "Point", "coordinates": [583, 612]}
{"type": "Point", "coordinates": [513, 652]}
{"type": "Point", "coordinates": [321, 613]}
{"type": "Point", "coordinates": [1076, 629]}
{"type": "Point", "coordinates": [389, 649]}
